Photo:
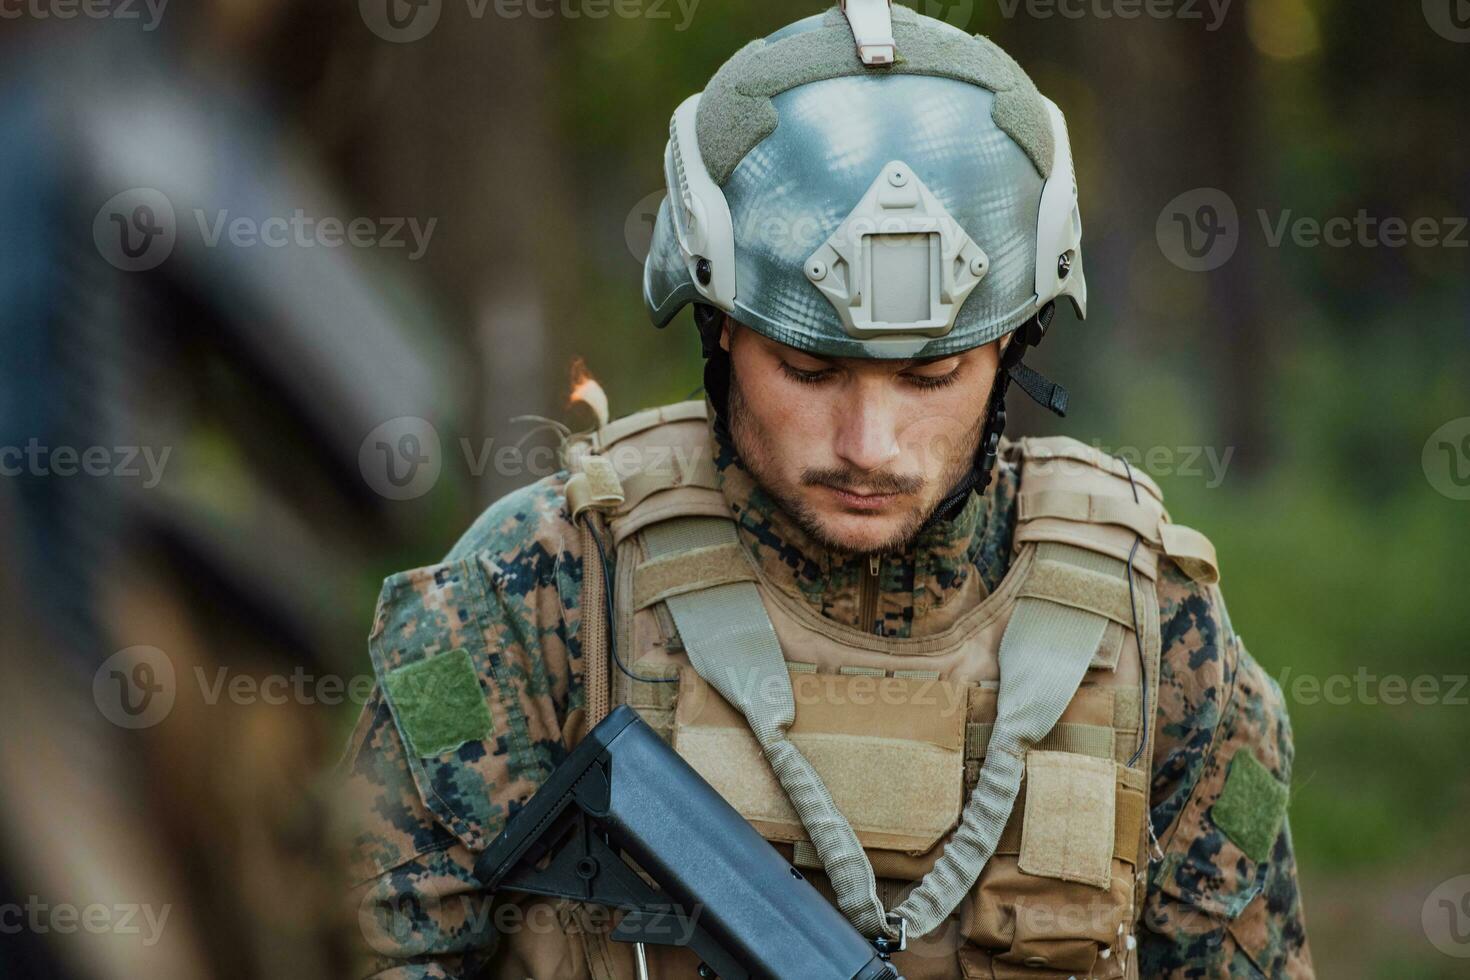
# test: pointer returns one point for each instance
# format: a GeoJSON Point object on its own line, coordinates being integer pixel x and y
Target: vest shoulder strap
{"type": "Point", "coordinates": [1072, 493]}
{"type": "Point", "coordinates": [646, 468]}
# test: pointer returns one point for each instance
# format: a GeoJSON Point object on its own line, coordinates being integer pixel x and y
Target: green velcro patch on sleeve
{"type": "Point", "coordinates": [1251, 807]}
{"type": "Point", "coordinates": [438, 703]}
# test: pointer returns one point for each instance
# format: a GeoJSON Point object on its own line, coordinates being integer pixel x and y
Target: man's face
{"type": "Point", "coordinates": [859, 452]}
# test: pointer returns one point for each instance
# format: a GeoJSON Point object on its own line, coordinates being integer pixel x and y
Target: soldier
{"type": "Point", "coordinates": [1044, 751]}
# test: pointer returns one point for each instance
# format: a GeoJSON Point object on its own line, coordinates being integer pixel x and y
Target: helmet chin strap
{"type": "Point", "coordinates": [710, 322]}
{"type": "Point", "coordinates": [1045, 393]}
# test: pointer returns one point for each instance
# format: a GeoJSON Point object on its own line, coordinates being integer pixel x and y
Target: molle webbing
{"type": "Point", "coordinates": [1046, 650]}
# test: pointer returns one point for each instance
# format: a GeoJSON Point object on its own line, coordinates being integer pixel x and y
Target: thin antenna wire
{"type": "Point", "coordinates": [1137, 636]}
{"type": "Point", "coordinates": [612, 623]}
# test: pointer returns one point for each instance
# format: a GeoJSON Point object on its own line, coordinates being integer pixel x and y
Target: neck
{"type": "Point", "coordinates": [954, 562]}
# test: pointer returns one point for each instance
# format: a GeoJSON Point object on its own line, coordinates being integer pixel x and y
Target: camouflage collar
{"type": "Point", "coordinates": [950, 567]}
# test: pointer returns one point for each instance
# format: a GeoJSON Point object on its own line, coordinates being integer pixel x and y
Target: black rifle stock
{"type": "Point", "coordinates": [722, 889]}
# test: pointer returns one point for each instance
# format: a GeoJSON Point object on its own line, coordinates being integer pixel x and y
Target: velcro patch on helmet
{"type": "Point", "coordinates": [736, 112]}
{"type": "Point", "coordinates": [1251, 806]}
{"type": "Point", "coordinates": [439, 703]}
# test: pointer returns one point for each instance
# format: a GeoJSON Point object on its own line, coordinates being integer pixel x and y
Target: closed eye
{"type": "Point", "coordinates": [929, 382]}
{"type": "Point", "coordinates": [806, 377]}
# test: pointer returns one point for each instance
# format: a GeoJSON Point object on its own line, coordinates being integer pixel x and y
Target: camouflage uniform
{"type": "Point", "coordinates": [1219, 903]}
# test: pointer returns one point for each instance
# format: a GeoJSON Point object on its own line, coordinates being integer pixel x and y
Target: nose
{"type": "Point", "coordinates": [867, 432]}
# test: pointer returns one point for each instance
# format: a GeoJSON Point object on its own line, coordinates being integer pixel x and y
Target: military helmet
{"type": "Point", "coordinates": [869, 182]}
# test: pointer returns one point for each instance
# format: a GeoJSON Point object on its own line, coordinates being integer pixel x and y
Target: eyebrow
{"type": "Point", "coordinates": [921, 361]}
{"type": "Point", "coordinates": [905, 365]}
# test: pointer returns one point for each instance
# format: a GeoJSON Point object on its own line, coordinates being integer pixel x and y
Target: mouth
{"type": "Point", "coordinates": [854, 500]}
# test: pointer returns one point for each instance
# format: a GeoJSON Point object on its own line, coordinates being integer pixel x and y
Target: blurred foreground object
{"type": "Point", "coordinates": [186, 513]}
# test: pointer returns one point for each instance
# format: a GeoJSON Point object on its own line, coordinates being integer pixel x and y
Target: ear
{"type": "Point", "coordinates": [726, 329]}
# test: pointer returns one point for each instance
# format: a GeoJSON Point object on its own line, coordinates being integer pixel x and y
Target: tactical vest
{"type": "Point", "coordinates": [898, 729]}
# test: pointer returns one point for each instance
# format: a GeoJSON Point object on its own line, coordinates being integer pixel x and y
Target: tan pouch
{"type": "Point", "coordinates": [1067, 832]}
{"type": "Point", "coordinates": [1031, 914]}
{"type": "Point", "coordinates": [889, 749]}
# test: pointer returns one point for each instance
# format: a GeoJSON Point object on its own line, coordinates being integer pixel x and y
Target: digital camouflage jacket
{"type": "Point", "coordinates": [1223, 897]}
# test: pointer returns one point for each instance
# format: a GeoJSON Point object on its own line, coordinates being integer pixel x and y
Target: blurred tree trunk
{"type": "Point", "coordinates": [1158, 107]}
{"type": "Point", "coordinates": [466, 133]}
{"type": "Point", "coordinates": [1229, 143]}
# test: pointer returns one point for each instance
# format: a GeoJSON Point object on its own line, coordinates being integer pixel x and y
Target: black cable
{"type": "Point", "coordinates": [612, 623]}
{"type": "Point", "coordinates": [1137, 636]}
